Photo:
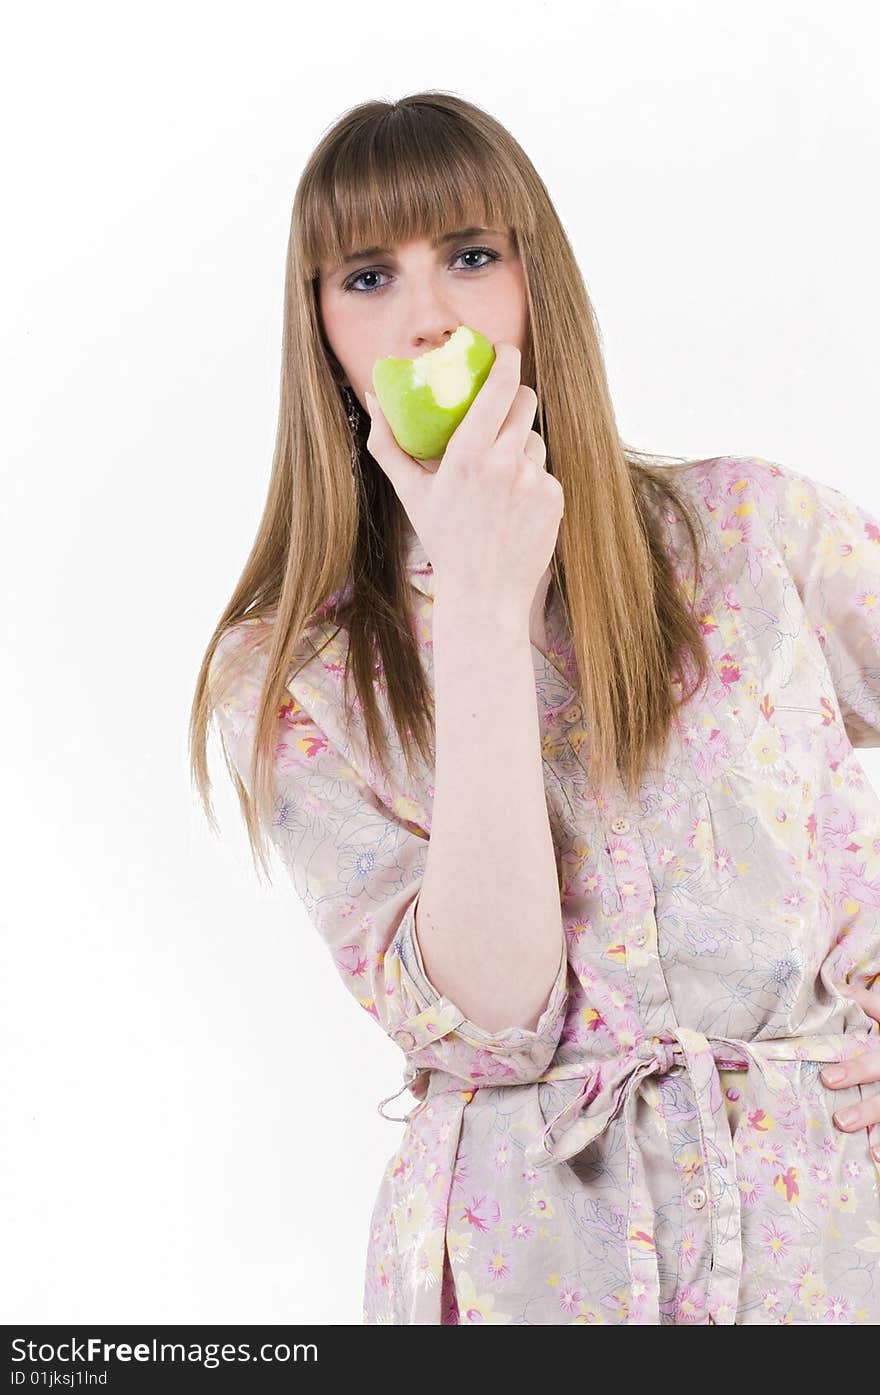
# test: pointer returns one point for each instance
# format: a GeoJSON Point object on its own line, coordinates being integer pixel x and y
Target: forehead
{"type": "Point", "coordinates": [333, 234]}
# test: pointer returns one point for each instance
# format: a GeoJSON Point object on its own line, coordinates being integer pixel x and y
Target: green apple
{"type": "Point", "coordinates": [425, 398]}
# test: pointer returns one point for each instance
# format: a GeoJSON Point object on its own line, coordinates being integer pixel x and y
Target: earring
{"type": "Point", "coordinates": [354, 423]}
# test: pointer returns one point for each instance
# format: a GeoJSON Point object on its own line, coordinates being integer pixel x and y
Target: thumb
{"type": "Point", "coordinates": [403, 470]}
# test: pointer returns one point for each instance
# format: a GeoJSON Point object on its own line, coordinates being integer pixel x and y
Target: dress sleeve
{"type": "Point", "coordinates": [357, 865]}
{"type": "Point", "coordinates": [831, 547]}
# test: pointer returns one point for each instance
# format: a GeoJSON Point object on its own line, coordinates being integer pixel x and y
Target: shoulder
{"type": "Point", "coordinates": [749, 500]}
{"type": "Point", "coordinates": [771, 515]}
{"type": "Point", "coordinates": [741, 483]}
{"type": "Point", "coordinates": [724, 496]}
{"type": "Point", "coordinates": [725, 481]}
{"type": "Point", "coordinates": [240, 662]}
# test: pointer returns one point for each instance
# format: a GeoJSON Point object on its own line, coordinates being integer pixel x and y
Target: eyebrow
{"type": "Point", "coordinates": [436, 242]}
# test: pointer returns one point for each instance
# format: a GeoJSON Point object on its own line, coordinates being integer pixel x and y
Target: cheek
{"type": "Point", "coordinates": [343, 326]}
{"type": "Point", "coordinates": [353, 343]}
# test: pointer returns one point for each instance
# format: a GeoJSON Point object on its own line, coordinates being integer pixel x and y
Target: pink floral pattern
{"type": "Point", "coordinates": [660, 1149]}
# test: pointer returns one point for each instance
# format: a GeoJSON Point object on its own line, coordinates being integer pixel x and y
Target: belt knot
{"type": "Point", "coordinates": [665, 1054]}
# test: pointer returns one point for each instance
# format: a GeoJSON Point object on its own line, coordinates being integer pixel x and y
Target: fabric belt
{"type": "Point", "coordinates": [612, 1086]}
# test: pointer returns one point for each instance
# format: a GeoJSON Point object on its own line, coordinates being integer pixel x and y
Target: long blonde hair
{"type": "Point", "coordinates": [331, 542]}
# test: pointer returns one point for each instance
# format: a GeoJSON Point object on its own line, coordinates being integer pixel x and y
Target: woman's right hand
{"type": "Point", "coordinates": [489, 516]}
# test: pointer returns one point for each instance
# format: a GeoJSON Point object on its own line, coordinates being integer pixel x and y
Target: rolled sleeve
{"type": "Point", "coordinates": [515, 1054]}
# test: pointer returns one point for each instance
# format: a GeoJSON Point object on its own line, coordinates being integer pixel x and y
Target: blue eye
{"type": "Point", "coordinates": [350, 285]}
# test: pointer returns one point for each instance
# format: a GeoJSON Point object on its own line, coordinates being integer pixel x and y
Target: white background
{"type": "Point", "coordinates": [189, 1093]}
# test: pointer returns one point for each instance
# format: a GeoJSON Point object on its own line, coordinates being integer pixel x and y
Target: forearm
{"type": "Point", "coordinates": [489, 918]}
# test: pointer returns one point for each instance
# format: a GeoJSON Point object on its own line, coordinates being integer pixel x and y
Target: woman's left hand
{"type": "Point", "coordinates": [859, 1070]}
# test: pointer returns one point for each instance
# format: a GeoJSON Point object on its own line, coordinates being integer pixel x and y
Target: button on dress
{"type": "Point", "coordinates": [660, 1149]}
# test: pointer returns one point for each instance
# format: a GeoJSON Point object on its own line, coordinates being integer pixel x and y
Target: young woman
{"type": "Point", "coordinates": [590, 840]}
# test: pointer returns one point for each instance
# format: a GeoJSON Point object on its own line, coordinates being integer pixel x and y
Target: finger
{"type": "Point", "coordinates": [858, 1070]}
{"type": "Point", "coordinates": [487, 413]}
{"type": "Point", "coordinates": [858, 1116]}
{"type": "Point", "coordinates": [402, 469]}
{"type": "Point", "coordinates": [520, 419]}
{"type": "Point", "coordinates": [536, 449]}
{"type": "Point", "coordinates": [867, 998]}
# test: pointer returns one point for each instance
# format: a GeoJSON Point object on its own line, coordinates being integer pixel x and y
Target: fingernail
{"type": "Point", "coordinates": [833, 1074]}
{"type": "Point", "coordinates": [847, 1116]}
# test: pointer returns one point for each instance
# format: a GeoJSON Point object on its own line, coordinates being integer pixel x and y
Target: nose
{"type": "Point", "coordinates": [425, 343]}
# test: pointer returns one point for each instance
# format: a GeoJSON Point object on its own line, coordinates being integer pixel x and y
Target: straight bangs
{"type": "Point", "coordinates": [416, 172]}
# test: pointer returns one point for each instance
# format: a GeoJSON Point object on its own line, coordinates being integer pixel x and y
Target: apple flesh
{"type": "Point", "coordinates": [423, 399]}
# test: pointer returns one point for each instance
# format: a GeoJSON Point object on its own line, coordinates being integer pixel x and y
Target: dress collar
{"type": "Point", "coordinates": [556, 665]}
{"type": "Point", "coordinates": [419, 569]}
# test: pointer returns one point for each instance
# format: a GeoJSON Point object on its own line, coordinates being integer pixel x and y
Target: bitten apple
{"type": "Point", "coordinates": [425, 398]}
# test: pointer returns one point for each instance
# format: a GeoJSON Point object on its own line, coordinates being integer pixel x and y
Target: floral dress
{"type": "Point", "coordinates": [660, 1148]}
